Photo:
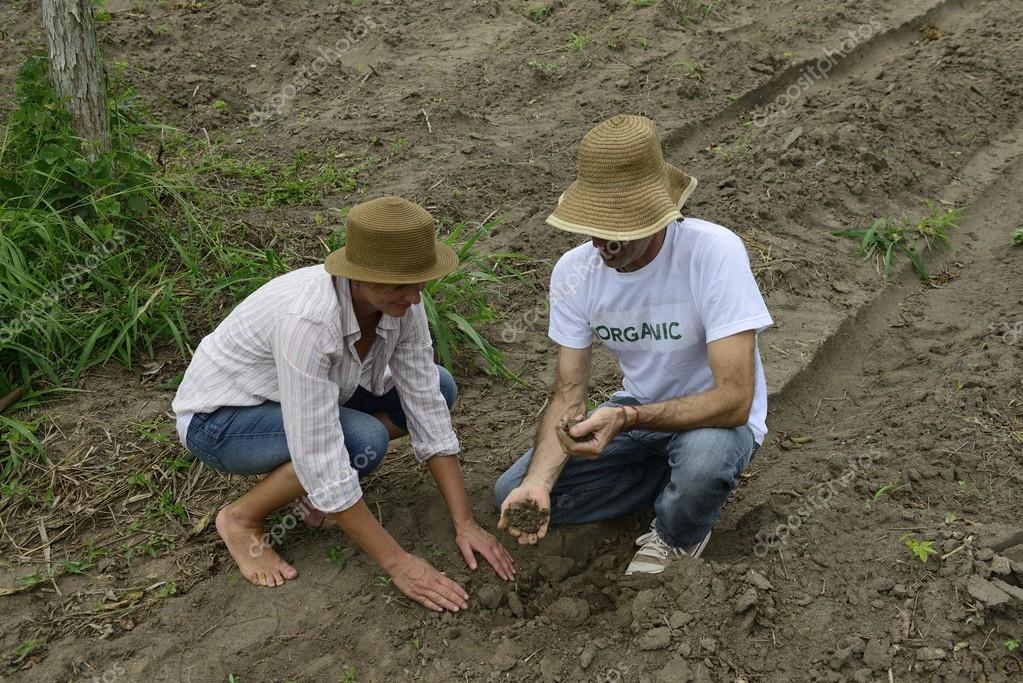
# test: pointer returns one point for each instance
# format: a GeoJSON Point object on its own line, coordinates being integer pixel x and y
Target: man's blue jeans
{"type": "Point", "coordinates": [686, 477]}
{"type": "Point", "coordinates": [251, 440]}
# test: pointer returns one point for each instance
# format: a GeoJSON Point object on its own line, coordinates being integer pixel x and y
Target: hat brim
{"type": "Point", "coordinates": [337, 263]}
{"type": "Point", "coordinates": [598, 212]}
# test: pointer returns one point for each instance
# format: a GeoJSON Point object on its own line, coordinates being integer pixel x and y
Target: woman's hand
{"type": "Point", "coordinates": [471, 538]}
{"type": "Point", "coordinates": [416, 578]}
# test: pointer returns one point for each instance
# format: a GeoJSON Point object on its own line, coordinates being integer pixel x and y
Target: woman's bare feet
{"type": "Point", "coordinates": [257, 561]}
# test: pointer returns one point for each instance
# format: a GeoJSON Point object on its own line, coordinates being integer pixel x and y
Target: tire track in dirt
{"type": "Point", "coordinates": [690, 139]}
{"type": "Point", "coordinates": [840, 361]}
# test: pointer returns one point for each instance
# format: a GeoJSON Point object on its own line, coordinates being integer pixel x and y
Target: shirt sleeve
{"type": "Point", "coordinates": [730, 300]}
{"type": "Point", "coordinates": [569, 324]}
{"type": "Point", "coordinates": [417, 382]}
{"type": "Point", "coordinates": [312, 424]}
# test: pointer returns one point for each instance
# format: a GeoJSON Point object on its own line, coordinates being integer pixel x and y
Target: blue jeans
{"type": "Point", "coordinates": [686, 477]}
{"type": "Point", "coordinates": [251, 439]}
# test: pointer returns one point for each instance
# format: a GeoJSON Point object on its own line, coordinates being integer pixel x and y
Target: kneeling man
{"type": "Point", "coordinates": [675, 301]}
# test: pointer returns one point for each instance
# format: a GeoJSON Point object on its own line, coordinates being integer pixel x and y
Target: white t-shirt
{"type": "Point", "coordinates": [659, 319]}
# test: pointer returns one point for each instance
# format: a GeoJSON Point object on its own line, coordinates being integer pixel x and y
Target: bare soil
{"type": "Point", "coordinates": [896, 408]}
{"type": "Point", "coordinates": [527, 517]}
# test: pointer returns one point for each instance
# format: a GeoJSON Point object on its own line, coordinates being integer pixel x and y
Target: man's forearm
{"type": "Point", "coordinates": [719, 407]}
{"type": "Point", "coordinates": [363, 528]}
{"type": "Point", "coordinates": [549, 458]}
{"type": "Point", "coordinates": [448, 476]}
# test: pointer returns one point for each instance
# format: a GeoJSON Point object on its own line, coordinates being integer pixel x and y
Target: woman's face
{"type": "Point", "coordinates": [393, 300]}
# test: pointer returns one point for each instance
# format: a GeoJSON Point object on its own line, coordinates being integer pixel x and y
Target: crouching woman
{"type": "Point", "coordinates": [310, 377]}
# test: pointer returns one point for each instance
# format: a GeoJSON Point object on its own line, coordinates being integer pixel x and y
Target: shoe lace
{"type": "Point", "coordinates": [657, 546]}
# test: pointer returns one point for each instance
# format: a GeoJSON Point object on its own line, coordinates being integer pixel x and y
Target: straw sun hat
{"type": "Point", "coordinates": [391, 241]}
{"type": "Point", "coordinates": [625, 190]}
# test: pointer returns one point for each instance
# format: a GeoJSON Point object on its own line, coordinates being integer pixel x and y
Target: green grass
{"type": "Point", "coordinates": [887, 238]}
{"type": "Point", "coordinates": [100, 260]}
{"type": "Point", "coordinates": [543, 67]}
{"type": "Point", "coordinates": [578, 42]}
{"type": "Point", "coordinates": [538, 13]}
{"type": "Point", "coordinates": [691, 69]}
{"type": "Point", "coordinates": [693, 11]}
{"type": "Point", "coordinates": [1017, 237]}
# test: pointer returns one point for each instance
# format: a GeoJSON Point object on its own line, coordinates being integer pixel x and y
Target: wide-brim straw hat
{"type": "Point", "coordinates": [391, 241]}
{"type": "Point", "coordinates": [625, 190]}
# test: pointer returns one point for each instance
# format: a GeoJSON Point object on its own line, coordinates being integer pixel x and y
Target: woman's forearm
{"type": "Point", "coordinates": [448, 475]}
{"type": "Point", "coordinates": [363, 528]}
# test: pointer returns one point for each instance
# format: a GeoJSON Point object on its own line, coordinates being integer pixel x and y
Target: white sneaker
{"type": "Point", "coordinates": [655, 555]}
{"type": "Point", "coordinates": [645, 538]}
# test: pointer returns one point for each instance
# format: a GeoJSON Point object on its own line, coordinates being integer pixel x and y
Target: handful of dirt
{"type": "Point", "coordinates": [572, 423]}
{"type": "Point", "coordinates": [527, 517]}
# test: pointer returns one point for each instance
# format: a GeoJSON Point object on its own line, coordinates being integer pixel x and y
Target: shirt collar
{"type": "Point", "coordinates": [349, 323]}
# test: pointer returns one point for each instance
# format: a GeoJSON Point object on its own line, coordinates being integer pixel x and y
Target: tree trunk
{"type": "Point", "coordinates": [76, 71]}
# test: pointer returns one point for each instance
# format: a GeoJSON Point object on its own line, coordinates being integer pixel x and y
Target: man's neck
{"type": "Point", "coordinates": [652, 250]}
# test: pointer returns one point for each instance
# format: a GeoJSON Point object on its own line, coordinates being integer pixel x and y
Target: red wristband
{"type": "Point", "coordinates": [635, 416]}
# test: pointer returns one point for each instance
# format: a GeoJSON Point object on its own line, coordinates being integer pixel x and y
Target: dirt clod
{"type": "Point", "coordinates": [572, 423]}
{"type": "Point", "coordinates": [527, 517]}
{"type": "Point", "coordinates": [569, 611]}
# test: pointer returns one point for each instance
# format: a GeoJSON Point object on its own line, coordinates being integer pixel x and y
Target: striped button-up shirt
{"type": "Point", "coordinates": [293, 341]}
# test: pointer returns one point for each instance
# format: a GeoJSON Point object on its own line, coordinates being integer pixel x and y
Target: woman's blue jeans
{"type": "Point", "coordinates": [250, 440]}
{"type": "Point", "coordinates": [686, 477]}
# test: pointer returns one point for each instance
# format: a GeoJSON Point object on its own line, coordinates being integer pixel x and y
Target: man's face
{"type": "Point", "coordinates": [620, 254]}
{"type": "Point", "coordinates": [394, 300]}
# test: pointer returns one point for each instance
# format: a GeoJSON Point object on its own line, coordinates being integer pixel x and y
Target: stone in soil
{"type": "Point", "coordinates": [527, 517]}
{"type": "Point", "coordinates": [655, 639]}
{"type": "Point", "coordinates": [569, 611]}
{"type": "Point", "coordinates": [876, 655]}
{"type": "Point", "coordinates": [556, 569]}
{"type": "Point", "coordinates": [490, 596]}
{"type": "Point", "coordinates": [985, 591]}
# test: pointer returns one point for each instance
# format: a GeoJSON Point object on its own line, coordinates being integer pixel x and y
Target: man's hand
{"type": "Point", "coordinates": [472, 538]}
{"type": "Point", "coordinates": [590, 437]}
{"type": "Point", "coordinates": [416, 578]}
{"type": "Point", "coordinates": [526, 491]}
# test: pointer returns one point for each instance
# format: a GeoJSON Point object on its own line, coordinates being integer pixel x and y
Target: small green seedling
{"type": "Point", "coordinates": [351, 674]}
{"type": "Point", "coordinates": [691, 69]}
{"type": "Point", "coordinates": [950, 518]}
{"type": "Point", "coordinates": [335, 556]}
{"type": "Point", "coordinates": [1011, 645]}
{"type": "Point", "coordinates": [886, 238]}
{"type": "Point", "coordinates": [219, 105]}
{"type": "Point", "coordinates": [1017, 236]}
{"type": "Point", "coordinates": [886, 490]}
{"type": "Point", "coordinates": [544, 67]}
{"type": "Point", "coordinates": [922, 549]}
{"type": "Point", "coordinates": [538, 13]}
{"type": "Point", "coordinates": [579, 41]}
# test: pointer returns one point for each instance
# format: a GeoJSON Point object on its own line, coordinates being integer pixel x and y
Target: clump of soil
{"type": "Point", "coordinates": [572, 423]}
{"type": "Point", "coordinates": [527, 517]}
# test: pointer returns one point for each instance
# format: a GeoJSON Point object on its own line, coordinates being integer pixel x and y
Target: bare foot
{"type": "Point", "coordinates": [257, 561]}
